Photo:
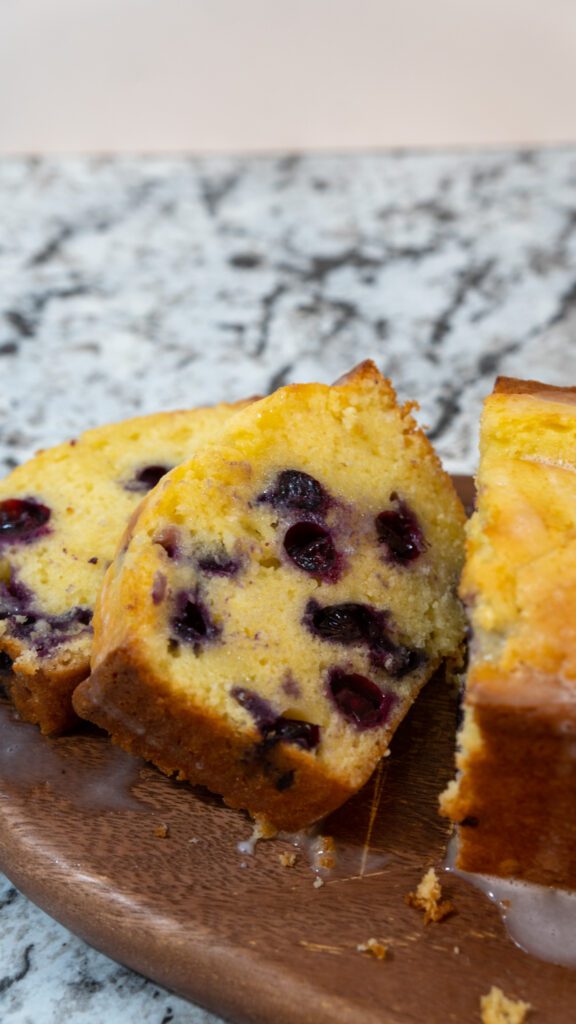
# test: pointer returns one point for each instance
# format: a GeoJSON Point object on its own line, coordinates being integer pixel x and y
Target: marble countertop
{"type": "Point", "coordinates": [132, 284]}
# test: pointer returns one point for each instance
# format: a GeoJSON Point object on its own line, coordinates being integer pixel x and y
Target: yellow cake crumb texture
{"type": "Point", "coordinates": [428, 897]}
{"type": "Point", "coordinates": [375, 948]}
{"type": "Point", "coordinates": [520, 572]}
{"type": "Point", "coordinates": [87, 485]}
{"type": "Point", "coordinates": [82, 492]}
{"type": "Point", "coordinates": [261, 613]}
{"type": "Point", "coordinates": [519, 583]}
{"type": "Point", "coordinates": [496, 1008]}
{"type": "Point", "coordinates": [287, 859]}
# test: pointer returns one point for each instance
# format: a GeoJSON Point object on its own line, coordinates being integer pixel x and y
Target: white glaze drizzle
{"type": "Point", "coordinates": [330, 858]}
{"type": "Point", "coordinates": [29, 760]}
{"type": "Point", "coordinates": [541, 920]}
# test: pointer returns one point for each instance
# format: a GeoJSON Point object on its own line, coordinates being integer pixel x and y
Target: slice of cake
{"type": "Point", "coordinates": [515, 797]}
{"type": "Point", "coordinates": [61, 517]}
{"type": "Point", "coordinates": [281, 599]}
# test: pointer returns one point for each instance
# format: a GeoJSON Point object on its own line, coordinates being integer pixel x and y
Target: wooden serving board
{"type": "Point", "coordinates": [81, 834]}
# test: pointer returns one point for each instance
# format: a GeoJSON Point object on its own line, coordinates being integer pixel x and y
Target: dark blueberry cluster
{"type": "Point", "coordinates": [308, 541]}
{"type": "Point", "coordinates": [346, 623]}
{"type": "Point", "coordinates": [191, 622]}
{"type": "Point", "coordinates": [276, 728]}
{"type": "Point", "coordinates": [44, 632]}
{"type": "Point", "coordinates": [15, 598]}
{"type": "Point", "coordinates": [212, 562]}
{"type": "Point", "coordinates": [400, 532]}
{"type": "Point", "coordinates": [359, 700]}
{"type": "Point", "coordinates": [351, 623]}
{"type": "Point", "coordinates": [297, 491]}
{"type": "Point", "coordinates": [146, 478]}
{"type": "Point", "coordinates": [5, 664]}
{"type": "Point", "coordinates": [169, 540]}
{"type": "Point", "coordinates": [218, 563]}
{"type": "Point", "coordinates": [293, 730]}
{"type": "Point", "coordinates": [22, 519]}
{"type": "Point", "coordinates": [258, 707]}
{"type": "Point", "coordinates": [311, 548]}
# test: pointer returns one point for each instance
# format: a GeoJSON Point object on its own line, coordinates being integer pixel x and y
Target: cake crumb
{"type": "Point", "coordinates": [263, 829]}
{"type": "Point", "coordinates": [428, 897]}
{"type": "Point", "coordinates": [318, 882]}
{"type": "Point", "coordinates": [161, 831]}
{"type": "Point", "coordinates": [496, 1008]}
{"type": "Point", "coordinates": [375, 948]}
{"type": "Point", "coordinates": [287, 860]}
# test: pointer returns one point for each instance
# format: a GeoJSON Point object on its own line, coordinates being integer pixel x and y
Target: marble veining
{"type": "Point", "coordinates": [48, 976]}
{"type": "Point", "coordinates": [129, 284]}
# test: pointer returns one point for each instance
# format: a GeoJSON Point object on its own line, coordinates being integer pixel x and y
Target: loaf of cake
{"type": "Point", "coordinates": [515, 795]}
{"type": "Point", "coordinates": [61, 517]}
{"type": "Point", "coordinates": [280, 600]}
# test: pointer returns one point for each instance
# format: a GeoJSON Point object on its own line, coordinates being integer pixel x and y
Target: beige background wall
{"type": "Point", "coordinates": [261, 74]}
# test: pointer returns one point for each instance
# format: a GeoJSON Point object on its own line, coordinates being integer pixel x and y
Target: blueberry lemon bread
{"type": "Point", "coordinates": [61, 517]}
{"type": "Point", "coordinates": [281, 599]}
{"type": "Point", "coordinates": [515, 798]}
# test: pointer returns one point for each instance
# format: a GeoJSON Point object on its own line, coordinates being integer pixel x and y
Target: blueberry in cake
{"type": "Point", "coordinates": [61, 517]}
{"type": "Point", "coordinates": [281, 599]}
{"type": "Point", "coordinates": [515, 797]}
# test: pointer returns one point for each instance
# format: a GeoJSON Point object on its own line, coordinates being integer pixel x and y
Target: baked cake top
{"type": "Point", "coordinates": [520, 574]}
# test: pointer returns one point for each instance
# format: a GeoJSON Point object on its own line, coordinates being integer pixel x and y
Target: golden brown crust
{"type": "Point", "coordinates": [526, 689]}
{"type": "Point", "coordinates": [515, 796]}
{"type": "Point", "coordinates": [523, 774]}
{"type": "Point", "coordinates": [366, 371]}
{"type": "Point", "coordinates": [127, 700]}
{"type": "Point", "coordinates": [513, 386]}
{"type": "Point", "coordinates": [45, 699]}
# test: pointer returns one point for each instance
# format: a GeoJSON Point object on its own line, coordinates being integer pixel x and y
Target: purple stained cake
{"type": "Point", "coordinates": [61, 517]}
{"type": "Point", "coordinates": [280, 600]}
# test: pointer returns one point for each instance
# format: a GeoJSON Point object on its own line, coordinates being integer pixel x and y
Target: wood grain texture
{"type": "Point", "coordinates": [245, 936]}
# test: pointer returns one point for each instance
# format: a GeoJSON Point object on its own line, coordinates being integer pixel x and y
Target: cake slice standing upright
{"type": "Point", "coordinates": [515, 796]}
{"type": "Point", "coordinates": [281, 599]}
{"type": "Point", "coordinates": [61, 517]}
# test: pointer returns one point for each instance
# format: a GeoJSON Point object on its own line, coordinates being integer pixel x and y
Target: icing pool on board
{"type": "Point", "coordinates": [539, 919]}
{"type": "Point", "coordinates": [30, 760]}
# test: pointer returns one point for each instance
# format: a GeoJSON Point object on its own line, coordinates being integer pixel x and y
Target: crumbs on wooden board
{"type": "Point", "coordinates": [161, 831]}
{"type": "Point", "coordinates": [496, 1008]}
{"type": "Point", "coordinates": [287, 860]}
{"type": "Point", "coordinates": [428, 897]}
{"type": "Point", "coordinates": [262, 829]}
{"type": "Point", "coordinates": [325, 855]}
{"type": "Point", "coordinates": [374, 947]}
